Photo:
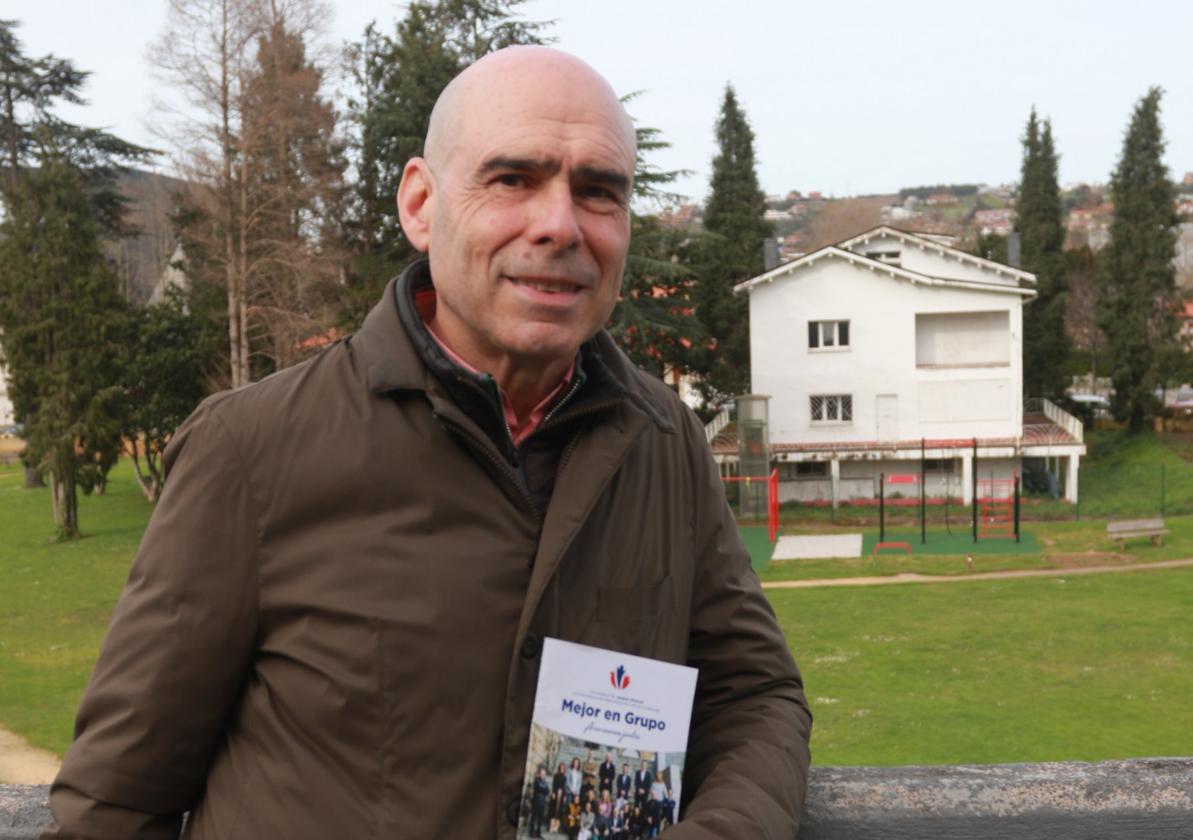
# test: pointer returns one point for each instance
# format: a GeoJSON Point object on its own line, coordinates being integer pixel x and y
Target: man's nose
{"type": "Point", "coordinates": [553, 216]}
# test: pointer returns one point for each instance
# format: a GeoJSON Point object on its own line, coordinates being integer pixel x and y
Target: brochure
{"type": "Point", "coordinates": [607, 745]}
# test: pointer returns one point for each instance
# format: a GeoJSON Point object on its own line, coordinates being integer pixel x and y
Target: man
{"type": "Point", "coordinates": [607, 772]}
{"type": "Point", "coordinates": [590, 770]}
{"type": "Point", "coordinates": [624, 780]}
{"type": "Point", "coordinates": [539, 792]}
{"type": "Point", "coordinates": [333, 625]}
{"type": "Point", "coordinates": [643, 780]}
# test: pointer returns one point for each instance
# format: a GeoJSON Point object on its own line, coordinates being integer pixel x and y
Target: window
{"type": "Point", "coordinates": [828, 334]}
{"type": "Point", "coordinates": [832, 408]}
{"type": "Point", "coordinates": [940, 466]}
{"type": "Point", "coordinates": [888, 257]}
{"type": "Point", "coordinates": [801, 470]}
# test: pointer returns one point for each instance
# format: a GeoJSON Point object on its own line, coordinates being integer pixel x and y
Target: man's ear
{"type": "Point", "coordinates": [416, 195]}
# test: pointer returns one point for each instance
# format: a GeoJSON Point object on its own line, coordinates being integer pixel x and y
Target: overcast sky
{"type": "Point", "coordinates": [847, 97]}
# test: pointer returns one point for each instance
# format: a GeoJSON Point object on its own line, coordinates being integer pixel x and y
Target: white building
{"type": "Point", "coordinates": [7, 417]}
{"type": "Point", "coordinates": [891, 348]}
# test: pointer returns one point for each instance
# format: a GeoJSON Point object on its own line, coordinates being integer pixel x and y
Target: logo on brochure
{"type": "Point", "coordinates": [619, 678]}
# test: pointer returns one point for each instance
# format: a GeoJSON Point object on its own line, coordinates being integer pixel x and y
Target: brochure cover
{"type": "Point", "coordinates": [607, 745]}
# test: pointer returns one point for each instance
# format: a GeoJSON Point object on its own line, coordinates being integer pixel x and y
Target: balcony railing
{"type": "Point", "coordinates": [1126, 800]}
{"type": "Point", "coordinates": [717, 425]}
{"type": "Point", "coordinates": [1055, 415]}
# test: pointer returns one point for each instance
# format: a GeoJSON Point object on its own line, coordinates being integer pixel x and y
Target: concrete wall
{"type": "Point", "coordinates": [880, 361]}
{"type": "Point", "coordinates": [1125, 800]}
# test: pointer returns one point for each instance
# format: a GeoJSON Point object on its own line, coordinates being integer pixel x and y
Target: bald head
{"type": "Point", "coordinates": [507, 81]}
{"type": "Point", "coordinates": [521, 202]}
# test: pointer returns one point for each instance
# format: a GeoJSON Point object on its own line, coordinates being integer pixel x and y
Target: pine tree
{"type": "Point", "coordinates": [399, 78]}
{"type": "Point", "coordinates": [734, 215]}
{"type": "Point", "coordinates": [30, 90]}
{"type": "Point", "coordinates": [653, 320]}
{"type": "Point", "coordinates": [1136, 310]}
{"type": "Point", "coordinates": [1045, 343]}
{"type": "Point", "coordinates": [63, 320]}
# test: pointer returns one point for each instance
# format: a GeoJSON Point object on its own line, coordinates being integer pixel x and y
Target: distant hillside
{"type": "Point", "coordinates": [141, 259]}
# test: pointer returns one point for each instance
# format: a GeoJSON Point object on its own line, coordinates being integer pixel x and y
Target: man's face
{"type": "Point", "coordinates": [529, 223]}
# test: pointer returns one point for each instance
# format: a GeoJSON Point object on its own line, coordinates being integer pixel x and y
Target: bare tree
{"type": "Point", "coordinates": [257, 145]}
{"type": "Point", "coordinates": [294, 189]}
{"type": "Point", "coordinates": [204, 53]}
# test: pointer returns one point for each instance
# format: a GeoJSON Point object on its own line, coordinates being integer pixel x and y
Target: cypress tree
{"type": "Point", "coordinates": [1137, 285]}
{"type": "Point", "coordinates": [734, 216]}
{"type": "Point", "coordinates": [1045, 343]}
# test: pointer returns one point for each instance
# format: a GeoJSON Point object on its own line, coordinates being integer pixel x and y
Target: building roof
{"type": "Point", "coordinates": [894, 271]}
{"type": "Point", "coordinates": [927, 242]}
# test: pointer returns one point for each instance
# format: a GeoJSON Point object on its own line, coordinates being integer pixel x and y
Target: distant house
{"type": "Point", "coordinates": [998, 221]}
{"type": "Point", "coordinates": [894, 352]}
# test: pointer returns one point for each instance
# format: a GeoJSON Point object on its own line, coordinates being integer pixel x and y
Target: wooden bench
{"type": "Point", "coordinates": [1120, 532]}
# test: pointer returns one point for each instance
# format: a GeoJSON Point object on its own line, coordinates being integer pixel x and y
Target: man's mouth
{"type": "Point", "coordinates": [549, 286]}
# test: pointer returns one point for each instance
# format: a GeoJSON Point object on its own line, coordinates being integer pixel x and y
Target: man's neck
{"type": "Point", "coordinates": [524, 385]}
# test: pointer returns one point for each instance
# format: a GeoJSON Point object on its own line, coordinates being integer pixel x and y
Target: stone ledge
{"type": "Point", "coordinates": [1126, 800]}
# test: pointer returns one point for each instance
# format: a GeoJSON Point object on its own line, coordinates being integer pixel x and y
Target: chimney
{"type": "Point", "coordinates": [1014, 250]}
{"type": "Point", "coordinates": [770, 254]}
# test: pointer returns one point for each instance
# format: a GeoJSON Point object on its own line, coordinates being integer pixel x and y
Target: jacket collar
{"type": "Point", "coordinates": [398, 353]}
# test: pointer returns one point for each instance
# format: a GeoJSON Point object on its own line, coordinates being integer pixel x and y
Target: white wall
{"type": "Point", "coordinates": [932, 403]}
{"type": "Point", "coordinates": [927, 260]}
{"type": "Point", "coordinates": [6, 412]}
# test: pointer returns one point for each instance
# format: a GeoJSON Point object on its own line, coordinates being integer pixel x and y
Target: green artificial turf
{"type": "Point", "coordinates": [1081, 668]}
{"type": "Point", "coordinates": [958, 542]}
{"type": "Point", "coordinates": [56, 599]}
{"type": "Point", "coordinates": [757, 540]}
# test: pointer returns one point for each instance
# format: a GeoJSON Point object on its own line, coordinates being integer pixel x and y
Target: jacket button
{"type": "Point", "coordinates": [531, 646]}
{"type": "Point", "coordinates": [511, 811]}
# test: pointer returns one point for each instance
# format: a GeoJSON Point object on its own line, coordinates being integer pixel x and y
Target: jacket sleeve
{"type": "Point", "coordinates": [176, 654]}
{"type": "Point", "coordinates": [746, 769]}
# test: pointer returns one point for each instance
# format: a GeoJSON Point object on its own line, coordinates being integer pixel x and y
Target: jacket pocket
{"type": "Point", "coordinates": [636, 603]}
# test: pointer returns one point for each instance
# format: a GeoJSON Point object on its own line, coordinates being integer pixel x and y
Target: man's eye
{"type": "Point", "coordinates": [595, 192]}
{"type": "Point", "coordinates": [511, 179]}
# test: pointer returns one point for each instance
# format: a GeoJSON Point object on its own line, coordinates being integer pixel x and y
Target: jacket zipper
{"type": "Point", "coordinates": [503, 465]}
{"type": "Point", "coordinates": [576, 383]}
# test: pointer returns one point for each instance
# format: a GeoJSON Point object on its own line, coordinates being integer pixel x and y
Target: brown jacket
{"type": "Point", "coordinates": [332, 627]}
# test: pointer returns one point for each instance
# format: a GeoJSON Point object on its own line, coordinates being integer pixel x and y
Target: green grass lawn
{"type": "Point", "coordinates": [1084, 668]}
{"type": "Point", "coordinates": [1094, 667]}
{"type": "Point", "coordinates": [56, 598]}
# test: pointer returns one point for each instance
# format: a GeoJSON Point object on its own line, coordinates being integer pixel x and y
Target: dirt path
{"type": "Point", "coordinates": [22, 764]}
{"type": "Point", "coordinates": [915, 577]}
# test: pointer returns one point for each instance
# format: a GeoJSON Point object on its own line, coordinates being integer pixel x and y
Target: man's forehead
{"type": "Point", "coordinates": [521, 93]}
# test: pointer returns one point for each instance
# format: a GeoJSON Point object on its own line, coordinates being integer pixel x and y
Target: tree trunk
{"type": "Point", "coordinates": [33, 478]}
{"type": "Point", "coordinates": [68, 508]}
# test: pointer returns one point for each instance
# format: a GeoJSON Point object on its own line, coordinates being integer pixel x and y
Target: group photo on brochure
{"type": "Point", "coordinates": [627, 795]}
